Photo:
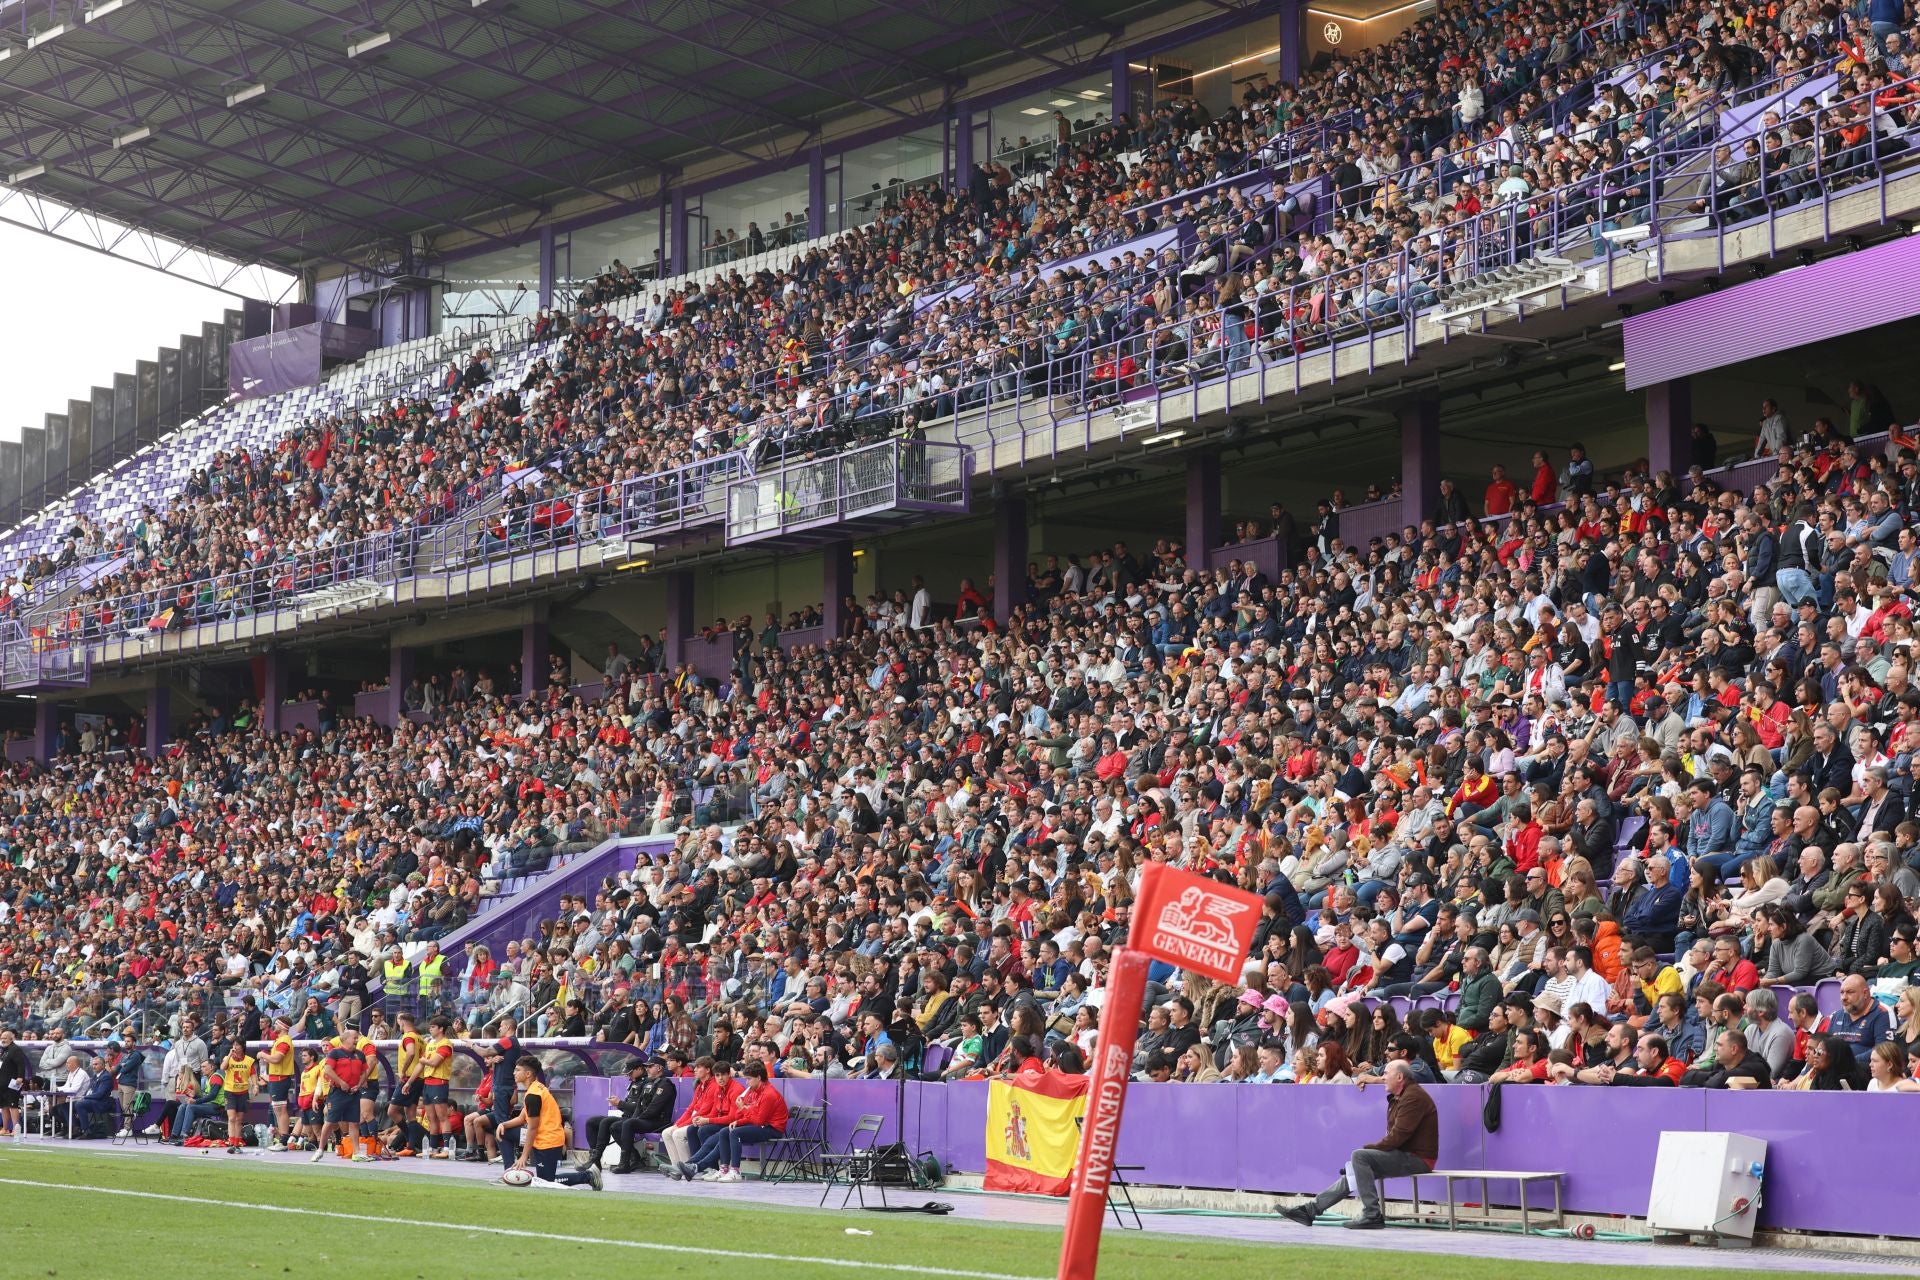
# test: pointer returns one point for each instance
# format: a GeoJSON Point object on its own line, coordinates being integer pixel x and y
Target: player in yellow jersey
{"type": "Point", "coordinates": [313, 1100]}
{"type": "Point", "coordinates": [279, 1066]}
{"type": "Point", "coordinates": [369, 1144]}
{"type": "Point", "coordinates": [403, 1103]}
{"type": "Point", "coordinates": [436, 1077]}
{"type": "Point", "coordinates": [236, 1074]}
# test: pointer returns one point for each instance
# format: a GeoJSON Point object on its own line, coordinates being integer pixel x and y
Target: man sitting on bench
{"type": "Point", "coordinates": [1411, 1145]}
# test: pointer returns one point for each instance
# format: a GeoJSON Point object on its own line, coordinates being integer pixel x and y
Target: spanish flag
{"type": "Point", "coordinates": [1033, 1131]}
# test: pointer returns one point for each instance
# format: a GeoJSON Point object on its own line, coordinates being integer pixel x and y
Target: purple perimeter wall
{"type": "Point", "coordinates": [1293, 1139]}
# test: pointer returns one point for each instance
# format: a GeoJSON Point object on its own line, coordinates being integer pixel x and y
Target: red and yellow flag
{"type": "Point", "coordinates": [1033, 1131]}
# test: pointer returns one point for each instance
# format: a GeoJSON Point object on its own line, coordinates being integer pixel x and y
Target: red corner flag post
{"type": "Point", "coordinates": [1186, 920]}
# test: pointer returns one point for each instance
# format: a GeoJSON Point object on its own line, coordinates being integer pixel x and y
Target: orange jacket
{"type": "Point", "coordinates": [1607, 946]}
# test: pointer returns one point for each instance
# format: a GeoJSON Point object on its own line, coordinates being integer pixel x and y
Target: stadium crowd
{"type": "Point", "coordinates": [1617, 785]}
{"type": "Point", "coordinates": [1597, 789]}
{"type": "Point", "coordinates": [1394, 173]}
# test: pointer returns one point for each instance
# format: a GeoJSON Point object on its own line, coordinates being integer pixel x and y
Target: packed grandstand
{"type": "Point", "coordinates": [1591, 772]}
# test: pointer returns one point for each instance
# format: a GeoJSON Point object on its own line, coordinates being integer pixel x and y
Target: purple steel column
{"type": "Point", "coordinates": [1293, 32]}
{"type": "Point", "coordinates": [836, 584]}
{"type": "Point", "coordinates": [273, 692]}
{"type": "Point", "coordinates": [1669, 425]}
{"type": "Point", "coordinates": [159, 718]}
{"type": "Point", "coordinates": [1203, 509]}
{"type": "Point", "coordinates": [677, 257]}
{"type": "Point", "coordinates": [546, 266]}
{"type": "Point", "coordinates": [1009, 555]}
{"type": "Point", "coordinates": [1419, 460]}
{"type": "Point", "coordinates": [46, 728]}
{"type": "Point", "coordinates": [1122, 86]}
{"type": "Point", "coordinates": [419, 313]}
{"type": "Point", "coordinates": [816, 192]}
{"type": "Point", "coordinates": [962, 148]}
{"type": "Point", "coordinates": [399, 676]}
{"type": "Point", "coordinates": [679, 617]}
{"type": "Point", "coordinates": [534, 651]}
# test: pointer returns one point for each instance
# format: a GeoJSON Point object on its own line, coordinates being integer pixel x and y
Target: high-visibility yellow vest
{"type": "Point", "coordinates": [396, 977]}
{"type": "Point", "coordinates": [430, 972]}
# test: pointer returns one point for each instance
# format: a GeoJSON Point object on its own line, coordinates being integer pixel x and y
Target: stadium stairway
{"type": "Point", "coordinates": [515, 912]}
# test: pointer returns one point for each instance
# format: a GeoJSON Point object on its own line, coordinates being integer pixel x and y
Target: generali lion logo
{"type": "Point", "coordinates": [1193, 922]}
{"type": "Point", "coordinates": [1201, 918]}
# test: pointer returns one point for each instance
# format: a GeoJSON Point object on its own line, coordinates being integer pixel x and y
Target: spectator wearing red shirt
{"type": "Point", "coordinates": [1500, 493]}
{"type": "Point", "coordinates": [756, 1113]}
{"type": "Point", "coordinates": [1546, 485]}
{"type": "Point", "coordinates": [1731, 969]}
{"type": "Point", "coordinates": [714, 1090]}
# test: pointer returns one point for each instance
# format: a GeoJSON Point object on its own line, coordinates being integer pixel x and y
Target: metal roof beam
{"type": "Point", "coordinates": [995, 37]}
{"type": "Point", "coordinates": [532, 41]}
{"type": "Point", "coordinates": [87, 146]}
{"type": "Point", "coordinates": [563, 36]}
{"type": "Point", "coordinates": [168, 254]}
{"type": "Point", "coordinates": [835, 38]}
{"type": "Point", "coordinates": [305, 86]}
{"type": "Point", "coordinates": [170, 108]}
{"type": "Point", "coordinates": [716, 46]}
{"type": "Point", "coordinates": [309, 65]}
{"type": "Point", "coordinates": [153, 181]}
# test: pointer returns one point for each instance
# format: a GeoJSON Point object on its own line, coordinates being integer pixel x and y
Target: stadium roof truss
{"type": "Point", "coordinates": [302, 133]}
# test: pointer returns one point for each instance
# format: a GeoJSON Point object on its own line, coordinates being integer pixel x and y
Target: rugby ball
{"type": "Point", "coordinates": [517, 1178]}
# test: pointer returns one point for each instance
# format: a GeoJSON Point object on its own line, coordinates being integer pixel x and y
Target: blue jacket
{"type": "Point", "coordinates": [1756, 827]}
{"type": "Point", "coordinates": [1655, 911]}
{"type": "Point", "coordinates": [1710, 830]}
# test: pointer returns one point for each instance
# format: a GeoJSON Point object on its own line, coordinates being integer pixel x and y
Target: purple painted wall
{"type": "Point", "coordinates": [1265, 552]}
{"type": "Point", "coordinates": [711, 657]}
{"type": "Point", "coordinates": [1368, 520]}
{"type": "Point", "coordinates": [1806, 304]}
{"type": "Point", "coordinates": [1291, 1140]}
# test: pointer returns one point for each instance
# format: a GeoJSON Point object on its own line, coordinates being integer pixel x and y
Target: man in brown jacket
{"type": "Point", "coordinates": [1411, 1145]}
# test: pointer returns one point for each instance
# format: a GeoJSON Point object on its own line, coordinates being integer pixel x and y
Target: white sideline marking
{"type": "Point", "coordinates": [652, 1246]}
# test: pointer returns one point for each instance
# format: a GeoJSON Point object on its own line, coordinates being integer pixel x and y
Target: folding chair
{"type": "Point", "coordinates": [856, 1162]}
{"type": "Point", "coordinates": [1119, 1192]}
{"type": "Point", "coordinates": [794, 1155]}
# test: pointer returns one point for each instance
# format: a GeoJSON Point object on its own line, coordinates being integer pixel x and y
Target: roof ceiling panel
{"type": "Point", "coordinates": [469, 121]}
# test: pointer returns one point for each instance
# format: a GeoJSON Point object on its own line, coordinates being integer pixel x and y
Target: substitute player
{"type": "Point", "coordinates": [403, 1104]}
{"type": "Point", "coordinates": [546, 1133]}
{"type": "Point", "coordinates": [436, 1084]}
{"type": "Point", "coordinates": [279, 1067]}
{"type": "Point", "coordinates": [313, 1101]}
{"type": "Point", "coordinates": [369, 1144]}
{"type": "Point", "coordinates": [236, 1075]}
